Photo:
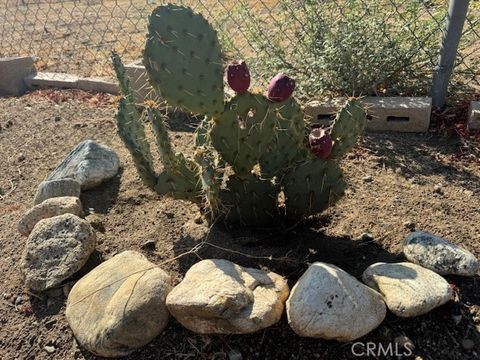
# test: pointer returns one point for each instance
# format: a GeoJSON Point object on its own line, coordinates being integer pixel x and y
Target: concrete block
{"type": "Point", "coordinates": [12, 74]}
{"type": "Point", "coordinates": [323, 112]}
{"type": "Point", "coordinates": [474, 116]}
{"type": "Point", "coordinates": [401, 114]}
{"type": "Point", "coordinates": [47, 79]}
{"type": "Point", "coordinates": [98, 84]}
{"type": "Point", "coordinates": [139, 82]}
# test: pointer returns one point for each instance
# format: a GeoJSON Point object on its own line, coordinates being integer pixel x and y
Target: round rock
{"type": "Point", "coordinates": [89, 163]}
{"type": "Point", "coordinates": [56, 249]}
{"type": "Point", "coordinates": [408, 289]}
{"type": "Point", "coordinates": [328, 303]}
{"type": "Point", "coordinates": [439, 255]}
{"type": "Point", "coordinates": [119, 306]}
{"type": "Point", "coordinates": [55, 188]}
{"type": "Point", "coordinates": [220, 297]}
{"type": "Point", "coordinates": [47, 209]}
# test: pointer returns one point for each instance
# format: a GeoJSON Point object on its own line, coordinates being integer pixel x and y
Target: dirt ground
{"type": "Point", "coordinates": [428, 182]}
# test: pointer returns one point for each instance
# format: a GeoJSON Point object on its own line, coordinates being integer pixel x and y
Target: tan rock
{"type": "Point", "coordinates": [47, 209]}
{"type": "Point", "coordinates": [328, 303]}
{"type": "Point", "coordinates": [220, 297]}
{"type": "Point", "coordinates": [408, 289]}
{"type": "Point", "coordinates": [119, 306]}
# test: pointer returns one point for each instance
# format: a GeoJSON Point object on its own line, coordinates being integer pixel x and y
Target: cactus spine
{"type": "Point", "coordinates": [252, 164]}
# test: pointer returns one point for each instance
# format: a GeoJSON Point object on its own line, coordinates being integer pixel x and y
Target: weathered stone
{"type": "Point", "coordinates": [89, 163]}
{"type": "Point", "coordinates": [47, 209]}
{"type": "Point", "coordinates": [56, 249]}
{"type": "Point", "coordinates": [56, 188]}
{"type": "Point", "coordinates": [328, 303]}
{"type": "Point", "coordinates": [119, 306]}
{"type": "Point", "coordinates": [220, 297]}
{"type": "Point", "coordinates": [439, 255]}
{"type": "Point", "coordinates": [408, 289]}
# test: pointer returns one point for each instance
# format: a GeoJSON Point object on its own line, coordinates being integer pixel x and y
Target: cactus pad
{"type": "Point", "coordinates": [287, 144]}
{"type": "Point", "coordinates": [348, 125]}
{"type": "Point", "coordinates": [243, 131]}
{"type": "Point", "coordinates": [311, 187]}
{"type": "Point", "coordinates": [249, 201]}
{"type": "Point", "coordinates": [183, 60]}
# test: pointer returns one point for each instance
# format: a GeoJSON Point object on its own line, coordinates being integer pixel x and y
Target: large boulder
{"type": "Point", "coordinates": [55, 250]}
{"type": "Point", "coordinates": [408, 289]}
{"type": "Point", "coordinates": [328, 303]}
{"type": "Point", "coordinates": [47, 209]}
{"type": "Point", "coordinates": [89, 163]}
{"type": "Point", "coordinates": [439, 255]}
{"type": "Point", "coordinates": [119, 306]}
{"type": "Point", "coordinates": [220, 297]}
{"type": "Point", "coordinates": [56, 188]}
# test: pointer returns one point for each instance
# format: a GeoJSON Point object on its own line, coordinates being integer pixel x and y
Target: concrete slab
{"type": "Point", "coordinates": [12, 73]}
{"type": "Point", "coordinates": [49, 79]}
{"type": "Point", "coordinates": [98, 84]}
{"type": "Point", "coordinates": [401, 114]}
{"type": "Point", "coordinates": [474, 116]}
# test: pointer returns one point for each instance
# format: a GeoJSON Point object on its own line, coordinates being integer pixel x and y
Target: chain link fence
{"type": "Point", "coordinates": [355, 47]}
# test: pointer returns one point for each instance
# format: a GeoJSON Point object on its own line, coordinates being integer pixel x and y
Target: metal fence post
{"type": "Point", "coordinates": [457, 12]}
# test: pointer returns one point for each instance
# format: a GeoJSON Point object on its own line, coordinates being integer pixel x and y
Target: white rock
{"type": "Point", "coordinates": [408, 289]}
{"type": "Point", "coordinates": [56, 249]}
{"type": "Point", "coordinates": [119, 306]}
{"type": "Point", "coordinates": [47, 209]}
{"type": "Point", "coordinates": [328, 303]}
{"type": "Point", "coordinates": [439, 255]}
{"type": "Point", "coordinates": [55, 188]}
{"type": "Point", "coordinates": [89, 163]}
{"type": "Point", "coordinates": [220, 297]}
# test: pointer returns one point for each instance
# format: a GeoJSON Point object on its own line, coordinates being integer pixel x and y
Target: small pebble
{"type": "Point", "coordinates": [437, 189]}
{"type": "Point", "coordinates": [49, 349]}
{"type": "Point", "coordinates": [409, 225]}
{"type": "Point", "coordinates": [18, 300]}
{"type": "Point", "coordinates": [468, 344]}
{"type": "Point", "coordinates": [367, 178]}
{"type": "Point", "coordinates": [367, 237]}
{"type": "Point", "coordinates": [404, 342]}
{"type": "Point", "coordinates": [7, 296]}
{"type": "Point", "coordinates": [234, 355]}
{"type": "Point", "coordinates": [148, 245]}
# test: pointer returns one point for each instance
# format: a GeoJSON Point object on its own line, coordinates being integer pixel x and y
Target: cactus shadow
{"type": "Point", "coordinates": [418, 156]}
{"type": "Point", "coordinates": [288, 254]}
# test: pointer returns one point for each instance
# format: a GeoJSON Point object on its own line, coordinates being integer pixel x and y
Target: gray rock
{"type": "Point", "coordinates": [56, 249]}
{"type": "Point", "coordinates": [119, 306]}
{"type": "Point", "coordinates": [408, 289]}
{"type": "Point", "coordinates": [47, 209]}
{"type": "Point", "coordinates": [328, 303]}
{"type": "Point", "coordinates": [56, 188]}
{"type": "Point", "coordinates": [220, 297]}
{"type": "Point", "coordinates": [89, 163]}
{"type": "Point", "coordinates": [439, 255]}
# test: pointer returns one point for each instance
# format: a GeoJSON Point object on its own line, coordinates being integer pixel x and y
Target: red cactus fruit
{"type": "Point", "coordinates": [321, 143]}
{"type": "Point", "coordinates": [280, 88]}
{"type": "Point", "coordinates": [238, 76]}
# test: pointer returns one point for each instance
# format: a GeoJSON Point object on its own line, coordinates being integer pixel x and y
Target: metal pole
{"type": "Point", "coordinates": [457, 12]}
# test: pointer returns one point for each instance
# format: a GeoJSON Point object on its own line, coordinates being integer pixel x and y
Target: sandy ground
{"type": "Point", "coordinates": [36, 133]}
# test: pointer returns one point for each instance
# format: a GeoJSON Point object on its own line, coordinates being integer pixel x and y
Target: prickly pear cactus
{"type": "Point", "coordinates": [253, 164]}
